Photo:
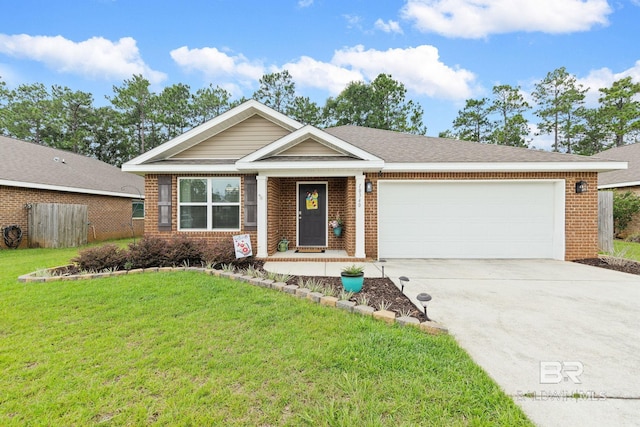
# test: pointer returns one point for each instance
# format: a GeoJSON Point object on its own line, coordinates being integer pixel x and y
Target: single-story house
{"type": "Point", "coordinates": [253, 170]}
{"type": "Point", "coordinates": [624, 179]}
{"type": "Point", "coordinates": [35, 174]}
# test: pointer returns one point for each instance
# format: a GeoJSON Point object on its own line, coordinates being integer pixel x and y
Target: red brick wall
{"type": "Point", "coordinates": [110, 217]}
{"type": "Point", "coordinates": [581, 216]}
{"type": "Point", "coordinates": [151, 215]}
{"type": "Point", "coordinates": [581, 210]}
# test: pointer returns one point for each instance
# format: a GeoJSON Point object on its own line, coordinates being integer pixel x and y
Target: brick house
{"type": "Point", "coordinates": [254, 170]}
{"type": "Point", "coordinates": [33, 173]}
{"type": "Point", "coordinates": [623, 180]}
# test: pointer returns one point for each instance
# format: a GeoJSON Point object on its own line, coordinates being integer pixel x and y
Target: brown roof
{"type": "Point", "coordinates": [394, 147]}
{"type": "Point", "coordinates": [33, 165]}
{"type": "Point", "coordinates": [627, 153]}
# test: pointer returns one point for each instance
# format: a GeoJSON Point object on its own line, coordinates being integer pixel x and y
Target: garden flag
{"type": "Point", "coordinates": [242, 244]}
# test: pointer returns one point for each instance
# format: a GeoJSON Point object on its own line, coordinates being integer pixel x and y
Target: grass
{"type": "Point", "coordinates": [629, 250]}
{"type": "Point", "coordinates": [188, 349]}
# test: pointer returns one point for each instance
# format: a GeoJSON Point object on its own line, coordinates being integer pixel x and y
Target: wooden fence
{"type": "Point", "coordinates": [53, 225]}
{"type": "Point", "coordinates": [605, 221]}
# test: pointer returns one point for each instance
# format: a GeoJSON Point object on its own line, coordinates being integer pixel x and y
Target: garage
{"type": "Point", "coordinates": [471, 219]}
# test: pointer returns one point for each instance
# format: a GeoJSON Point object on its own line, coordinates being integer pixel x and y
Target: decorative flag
{"type": "Point", "coordinates": [242, 244]}
{"type": "Point", "coordinates": [312, 200]}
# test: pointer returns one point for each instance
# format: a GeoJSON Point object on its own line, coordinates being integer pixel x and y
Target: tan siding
{"type": "Point", "coordinates": [310, 147]}
{"type": "Point", "coordinates": [236, 142]}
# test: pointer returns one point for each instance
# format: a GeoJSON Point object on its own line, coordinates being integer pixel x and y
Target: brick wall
{"type": "Point", "coordinates": [581, 210]}
{"type": "Point", "coordinates": [581, 216]}
{"type": "Point", "coordinates": [151, 213]}
{"type": "Point", "coordinates": [110, 217]}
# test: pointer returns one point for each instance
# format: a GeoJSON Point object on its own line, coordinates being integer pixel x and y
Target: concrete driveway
{"type": "Point", "coordinates": [544, 330]}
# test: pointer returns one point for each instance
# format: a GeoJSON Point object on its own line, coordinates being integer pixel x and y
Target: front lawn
{"type": "Point", "coordinates": [184, 348]}
{"type": "Point", "coordinates": [628, 250]}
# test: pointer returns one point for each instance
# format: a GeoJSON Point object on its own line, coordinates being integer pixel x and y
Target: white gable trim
{"type": "Point", "coordinates": [62, 188]}
{"type": "Point", "coordinates": [301, 135]}
{"type": "Point", "coordinates": [505, 167]}
{"type": "Point", "coordinates": [619, 185]}
{"type": "Point", "coordinates": [213, 127]}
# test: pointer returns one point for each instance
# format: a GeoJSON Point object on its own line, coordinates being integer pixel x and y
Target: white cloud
{"type": "Point", "coordinates": [604, 77]}
{"type": "Point", "coordinates": [213, 63]}
{"type": "Point", "coordinates": [388, 27]}
{"type": "Point", "coordinates": [305, 3]}
{"type": "Point", "coordinates": [96, 57]}
{"type": "Point", "coordinates": [480, 18]}
{"type": "Point", "coordinates": [418, 68]}
{"type": "Point", "coordinates": [307, 72]}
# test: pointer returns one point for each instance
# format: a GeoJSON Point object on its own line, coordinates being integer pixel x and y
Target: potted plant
{"type": "Point", "coordinates": [352, 278]}
{"type": "Point", "coordinates": [336, 224]}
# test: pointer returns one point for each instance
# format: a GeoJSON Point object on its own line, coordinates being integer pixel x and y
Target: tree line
{"type": "Point", "coordinates": [137, 119]}
{"type": "Point", "coordinates": [560, 108]}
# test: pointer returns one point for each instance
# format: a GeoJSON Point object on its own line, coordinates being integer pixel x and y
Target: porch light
{"type": "Point", "coordinates": [402, 280]}
{"type": "Point", "coordinates": [424, 300]}
{"type": "Point", "coordinates": [581, 187]}
{"type": "Point", "coordinates": [368, 186]}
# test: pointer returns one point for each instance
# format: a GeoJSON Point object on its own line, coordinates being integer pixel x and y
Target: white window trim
{"type": "Point", "coordinates": [210, 204]}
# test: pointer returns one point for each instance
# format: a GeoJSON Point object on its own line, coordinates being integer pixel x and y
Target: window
{"type": "Point", "coordinates": [137, 209]}
{"type": "Point", "coordinates": [209, 203]}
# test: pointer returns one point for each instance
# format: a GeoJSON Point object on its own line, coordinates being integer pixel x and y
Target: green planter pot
{"type": "Point", "coordinates": [352, 283]}
{"type": "Point", "coordinates": [337, 231]}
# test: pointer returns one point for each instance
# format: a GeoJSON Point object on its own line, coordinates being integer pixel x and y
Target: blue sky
{"type": "Point", "coordinates": [444, 51]}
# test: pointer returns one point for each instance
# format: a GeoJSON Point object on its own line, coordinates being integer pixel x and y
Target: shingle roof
{"type": "Point", "coordinates": [627, 153]}
{"type": "Point", "coordinates": [33, 165]}
{"type": "Point", "coordinates": [396, 147]}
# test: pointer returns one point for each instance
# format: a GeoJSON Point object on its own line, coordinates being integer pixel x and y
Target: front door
{"type": "Point", "coordinates": [312, 214]}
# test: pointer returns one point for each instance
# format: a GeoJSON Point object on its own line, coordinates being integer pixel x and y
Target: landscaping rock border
{"type": "Point", "coordinates": [430, 327]}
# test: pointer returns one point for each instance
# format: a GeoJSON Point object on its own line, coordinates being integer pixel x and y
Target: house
{"type": "Point", "coordinates": [254, 170]}
{"type": "Point", "coordinates": [625, 179]}
{"type": "Point", "coordinates": [35, 174]}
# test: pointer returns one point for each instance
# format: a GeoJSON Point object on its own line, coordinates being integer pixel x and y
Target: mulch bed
{"type": "Point", "coordinates": [625, 266]}
{"type": "Point", "coordinates": [376, 289]}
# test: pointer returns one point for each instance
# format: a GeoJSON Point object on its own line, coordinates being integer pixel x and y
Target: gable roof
{"type": "Point", "coordinates": [344, 148]}
{"type": "Point", "coordinates": [30, 165]}
{"type": "Point", "coordinates": [621, 178]}
{"type": "Point", "coordinates": [402, 151]}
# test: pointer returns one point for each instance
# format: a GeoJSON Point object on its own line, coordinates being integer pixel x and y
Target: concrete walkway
{"type": "Point", "coordinates": [544, 330]}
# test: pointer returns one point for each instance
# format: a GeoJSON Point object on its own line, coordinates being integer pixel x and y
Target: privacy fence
{"type": "Point", "coordinates": [53, 225]}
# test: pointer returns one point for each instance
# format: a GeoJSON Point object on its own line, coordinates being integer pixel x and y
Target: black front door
{"type": "Point", "coordinates": [312, 214]}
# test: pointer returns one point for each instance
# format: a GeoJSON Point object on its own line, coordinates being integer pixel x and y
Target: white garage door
{"type": "Point", "coordinates": [471, 219]}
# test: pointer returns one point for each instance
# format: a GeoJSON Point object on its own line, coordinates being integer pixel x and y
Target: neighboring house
{"type": "Point", "coordinates": [254, 170]}
{"type": "Point", "coordinates": [623, 180]}
{"type": "Point", "coordinates": [33, 173]}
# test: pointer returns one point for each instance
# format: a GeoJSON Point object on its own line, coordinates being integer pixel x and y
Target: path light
{"type": "Point", "coordinates": [402, 280]}
{"type": "Point", "coordinates": [424, 300]}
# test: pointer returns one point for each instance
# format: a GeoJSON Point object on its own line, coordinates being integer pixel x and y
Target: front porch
{"type": "Point", "coordinates": [329, 255]}
{"type": "Point", "coordinates": [283, 212]}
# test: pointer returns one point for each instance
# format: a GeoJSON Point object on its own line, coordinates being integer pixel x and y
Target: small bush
{"type": "Point", "coordinates": [148, 252]}
{"type": "Point", "coordinates": [99, 258]}
{"type": "Point", "coordinates": [625, 206]}
{"type": "Point", "coordinates": [223, 252]}
{"type": "Point", "coordinates": [182, 250]}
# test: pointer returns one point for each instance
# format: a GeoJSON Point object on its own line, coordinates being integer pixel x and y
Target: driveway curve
{"type": "Point", "coordinates": [563, 339]}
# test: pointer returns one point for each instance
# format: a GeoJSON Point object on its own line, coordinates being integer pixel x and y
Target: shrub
{"type": "Point", "coordinates": [223, 252]}
{"type": "Point", "coordinates": [99, 258]}
{"type": "Point", "coordinates": [148, 252]}
{"type": "Point", "coordinates": [181, 249]}
{"type": "Point", "coordinates": [625, 206]}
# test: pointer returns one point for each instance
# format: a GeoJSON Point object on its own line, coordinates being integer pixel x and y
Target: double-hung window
{"type": "Point", "coordinates": [209, 203]}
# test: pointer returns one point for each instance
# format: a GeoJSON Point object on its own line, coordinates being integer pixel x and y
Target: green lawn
{"type": "Point", "coordinates": [629, 250]}
{"type": "Point", "coordinates": [183, 348]}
